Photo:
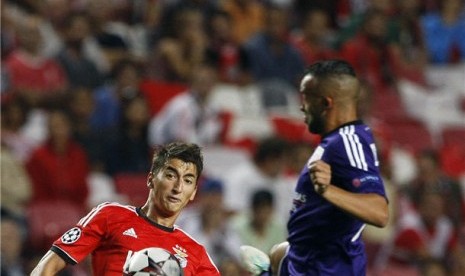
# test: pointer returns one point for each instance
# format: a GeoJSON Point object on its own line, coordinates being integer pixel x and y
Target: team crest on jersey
{"type": "Point", "coordinates": [181, 255]}
{"type": "Point", "coordinates": [356, 182]}
{"type": "Point", "coordinates": [71, 235]}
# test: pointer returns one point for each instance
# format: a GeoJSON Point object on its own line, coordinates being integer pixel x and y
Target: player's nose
{"type": "Point", "coordinates": [178, 186]}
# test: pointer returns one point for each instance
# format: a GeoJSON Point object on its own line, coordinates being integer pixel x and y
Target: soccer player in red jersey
{"type": "Point", "coordinates": [112, 232]}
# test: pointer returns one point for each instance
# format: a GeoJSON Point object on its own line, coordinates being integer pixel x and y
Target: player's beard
{"type": "Point", "coordinates": [315, 124]}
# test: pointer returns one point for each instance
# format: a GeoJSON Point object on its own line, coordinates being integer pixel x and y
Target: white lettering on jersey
{"type": "Point", "coordinates": [375, 154]}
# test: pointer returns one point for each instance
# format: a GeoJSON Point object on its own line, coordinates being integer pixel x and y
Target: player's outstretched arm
{"type": "Point", "coordinates": [371, 208]}
{"type": "Point", "coordinates": [49, 265]}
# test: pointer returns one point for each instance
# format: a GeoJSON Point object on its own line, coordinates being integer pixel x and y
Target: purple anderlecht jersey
{"type": "Point", "coordinates": [316, 226]}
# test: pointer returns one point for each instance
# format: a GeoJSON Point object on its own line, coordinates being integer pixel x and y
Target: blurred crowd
{"type": "Point", "coordinates": [89, 87]}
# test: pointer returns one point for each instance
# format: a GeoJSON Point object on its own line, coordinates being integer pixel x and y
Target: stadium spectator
{"type": "Point", "coordinates": [177, 55]}
{"type": "Point", "coordinates": [426, 233]}
{"type": "Point", "coordinates": [80, 71]}
{"type": "Point", "coordinates": [368, 52]}
{"type": "Point", "coordinates": [271, 54]}
{"type": "Point", "coordinates": [124, 84]}
{"type": "Point", "coordinates": [34, 77]}
{"type": "Point", "coordinates": [16, 188]}
{"type": "Point", "coordinates": [127, 149]}
{"type": "Point", "coordinates": [265, 171]}
{"type": "Point", "coordinates": [12, 246]}
{"type": "Point", "coordinates": [430, 176]}
{"type": "Point", "coordinates": [314, 37]}
{"type": "Point", "coordinates": [408, 52]}
{"type": "Point", "coordinates": [247, 16]}
{"type": "Point", "coordinates": [257, 226]}
{"type": "Point", "coordinates": [106, 47]}
{"type": "Point", "coordinates": [81, 105]}
{"type": "Point", "coordinates": [187, 116]}
{"type": "Point", "coordinates": [222, 49]}
{"type": "Point", "coordinates": [59, 168]}
{"type": "Point", "coordinates": [444, 32]}
{"type": "Point", "coordinates": [14, 116]}
{"type": "Point", "coordinates": [353, 21]}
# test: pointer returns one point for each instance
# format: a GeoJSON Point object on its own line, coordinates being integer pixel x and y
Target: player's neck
{"type": "Point", "coordinates": [154, 216]}
{"type": "Point", "coordinates": [340, 117]}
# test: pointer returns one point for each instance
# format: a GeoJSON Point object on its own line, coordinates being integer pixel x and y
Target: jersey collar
{"type": "Point", "coordinates": [162, 227]}
{"type": "Point", "coordinates": [356, 122]}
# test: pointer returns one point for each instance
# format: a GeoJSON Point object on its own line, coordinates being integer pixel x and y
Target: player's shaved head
{"type": "Point", "coordinates": [335, 78]}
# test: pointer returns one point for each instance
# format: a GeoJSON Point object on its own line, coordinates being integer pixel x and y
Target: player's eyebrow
{"type": "Point", "coordinates": [173, 169]}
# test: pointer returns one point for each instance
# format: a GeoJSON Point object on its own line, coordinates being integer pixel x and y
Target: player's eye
{"type": "Point", "coordinates": [170, 175]}
{"type": "Point", "coordinates": [189, 181]}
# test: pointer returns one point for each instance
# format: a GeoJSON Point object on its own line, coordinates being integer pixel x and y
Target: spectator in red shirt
{"type": "Point", "coordinates": [59, 168]}
{"type": "Point", "coordinates": [368, 52]}
{"type": "Point", "coordinates": [32, 75]}
{"type": "Point", "coordinates": [313, 42]}
{"type": "Point", "coordinates": [426, 233]}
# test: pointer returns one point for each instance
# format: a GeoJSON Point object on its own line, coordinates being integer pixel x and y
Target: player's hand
{"type": "Point", "coordinates": [320, 175]}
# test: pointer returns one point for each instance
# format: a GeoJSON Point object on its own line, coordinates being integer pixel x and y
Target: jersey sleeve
{"type": "Point", "coordinates": [355, 164]}
{"type": "Point", "coordinates": [75, 244]}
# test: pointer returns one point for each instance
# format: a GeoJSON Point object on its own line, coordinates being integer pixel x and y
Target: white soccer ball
{"type": "Point", "coordinates": [153, 261]}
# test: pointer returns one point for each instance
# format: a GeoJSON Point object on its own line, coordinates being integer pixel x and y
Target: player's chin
{"type": "Point", "coordinates": [174, 207]}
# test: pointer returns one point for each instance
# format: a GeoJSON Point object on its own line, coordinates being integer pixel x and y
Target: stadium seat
{"type": "Point", "coordinates": [388, 105]}
{"type": "Point", "coordinates": [292, 129]}
{"type": "Point", "coordinates": [48, 220]}
{"type": "Point", "coordinates": [158, 93]}
{"type": "Point", "coordinates": [410, 134]}
{"type": "Point", "coordinates": [452, 151]}
{"type": "Point", "coordinates": [132, 185]}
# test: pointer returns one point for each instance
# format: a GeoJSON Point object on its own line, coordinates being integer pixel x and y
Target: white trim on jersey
{"type": "Point", "coordinates": [85, 220]}
{"type": "Point", "coordinates": [353, 147]}
{"type": "Point", "coordinates": [359, 232]}
{"type": "Point", "coordinates": [192, 238]}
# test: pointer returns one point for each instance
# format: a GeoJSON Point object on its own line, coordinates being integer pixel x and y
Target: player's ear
{"type": "Point", "coordinates": [328, 102]}
{"type": "Point", "coordinates": [194, 193]}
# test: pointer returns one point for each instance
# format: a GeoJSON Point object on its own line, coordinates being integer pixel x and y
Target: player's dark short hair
{"type": "Point", "coordinates": [187, 152]}
{"type": "Point", "coordinates": [261, 198]}
{"type": "Point", "coordinates": [327, 68]}
{"type": "Point", "coordinates": [269, 148]}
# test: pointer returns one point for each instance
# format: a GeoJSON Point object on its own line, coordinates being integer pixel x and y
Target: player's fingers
{"type": "Point", "coordinates": [320, 177]}
{"type": "Point", "coordinates": [319, 165]}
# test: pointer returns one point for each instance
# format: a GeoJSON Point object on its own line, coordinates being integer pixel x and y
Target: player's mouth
{"type": "Point", "coordinates": [173, 199]}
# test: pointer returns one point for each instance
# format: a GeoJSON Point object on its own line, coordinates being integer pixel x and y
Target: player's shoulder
{"type": "Point", "coordinates": [188, 239]}
{"type": "Point", "coordinates": [107, 210]}
{"type": "Point", "coordinates": [113, 209]}
{"type": "Point", "coordinates": [115, 206]}
{"type": "Point", "coordinates": [355, 131]}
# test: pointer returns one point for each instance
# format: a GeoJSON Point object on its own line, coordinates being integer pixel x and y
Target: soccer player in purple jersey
{"type": "Point", "coordinates": [339, 191]}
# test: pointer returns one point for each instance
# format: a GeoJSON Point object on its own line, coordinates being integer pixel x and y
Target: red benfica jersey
{"type": "Point", "coordinates": [112, 232]}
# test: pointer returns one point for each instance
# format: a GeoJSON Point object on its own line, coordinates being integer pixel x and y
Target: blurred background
{"type": "Point", "coordinates": [89, 87]}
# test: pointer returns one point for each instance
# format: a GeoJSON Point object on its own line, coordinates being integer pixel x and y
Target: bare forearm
{"type": "Point", "coordinates": [370, 208]}
{"type": "Point", "coordinates": [49, 265]}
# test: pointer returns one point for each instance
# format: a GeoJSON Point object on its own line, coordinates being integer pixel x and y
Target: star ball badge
{"type": "Point", "coordinates": [71, 235]}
